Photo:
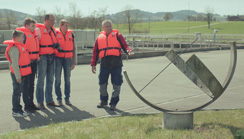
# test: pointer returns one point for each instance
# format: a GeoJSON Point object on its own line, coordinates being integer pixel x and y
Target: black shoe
{"type": "Point", "coordinates": [29, 109]}
{"type": "Point", "coordinates": [35, 108]}
{"type": "Point", "coordinates": [52, 104]}
{"type": "Point", "coordinates": [112, 107]}
{"type": "Point", "coordinates": [102, 104]}
{"type": "Point", "coordinates": [67, 102]}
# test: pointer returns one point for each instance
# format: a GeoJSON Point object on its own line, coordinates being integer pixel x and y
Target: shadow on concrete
{"type": "Point", "coordinates": [115, 112]}
{"type": "Point", "coordinates": [53, 115]}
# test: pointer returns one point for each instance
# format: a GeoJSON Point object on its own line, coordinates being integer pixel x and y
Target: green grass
{"type": "Point", "coordinates": [235, 27]}
{"type": "Point", "coordinates": [207, 124]}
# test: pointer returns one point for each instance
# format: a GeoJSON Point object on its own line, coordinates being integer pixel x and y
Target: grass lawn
{"type": "Point", "coordinates": [225, 124]}
{"type": "Point", "coordinates": [181, 27]}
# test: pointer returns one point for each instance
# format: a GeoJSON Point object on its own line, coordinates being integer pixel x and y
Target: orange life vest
{"type": "Point", "coordinates": [24, 59]}
{"type": "Point", "coordinates": [109, 45]}
{"type": "Point", "coordinates": [47, 40]}
{"type": "Point", "coordinates": [66, 43]}
{"type": "Point", "coordinates": [31, 43]}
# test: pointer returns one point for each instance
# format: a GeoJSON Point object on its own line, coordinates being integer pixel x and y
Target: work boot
{"type": "Point", "coordinates": [102, 104]}
{"type": "Point", "coordinates": [112, 107]}
{"type": "Point", "coordinates": [67, 102]}
{"type": "Point", "coordinates": [60, 103]}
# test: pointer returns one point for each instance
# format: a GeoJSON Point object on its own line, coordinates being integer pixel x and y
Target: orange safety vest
{"type": "Point", "coordinates": [24, 59]}
{"type": "Point", "coordinates": [31, 43]}
{"type": "Point", "coordinates": [109, 45]}
{"type": "Point", "coordinates": [66, 43]}
{"type": "Point", "coordinates": [47, 40]}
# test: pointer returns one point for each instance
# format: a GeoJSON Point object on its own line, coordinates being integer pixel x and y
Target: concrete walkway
{"type": "Point", "coordinates": [171, 89]}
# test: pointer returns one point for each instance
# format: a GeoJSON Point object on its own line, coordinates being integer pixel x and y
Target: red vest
{"type": "Point", "coordinates": [66, 43]}
{"type": "Point", "coordinates": [24, 59]}
{"type": "Point", "coordinates": [47, 40]}
{"type": "Point", "coordinates": [31, 43]}
{"type": "Point", "coordinates": [109, 45]}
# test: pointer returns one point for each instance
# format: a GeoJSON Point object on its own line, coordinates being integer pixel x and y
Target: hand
{"type": "Point", "coordinates": [72, 66]}
{"type": "Point", "coordinates": [19, 81]}
{"type": "Point", "coordinates": [131, 52]}
{"type": "Point", "coordinates": [94, 69]}
{"type": "Point", "coordinates": [38, 59]}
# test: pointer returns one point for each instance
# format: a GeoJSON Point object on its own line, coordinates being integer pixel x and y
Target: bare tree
{"type": "Point", "coordinates": [75, 19]}
{"type": "Point", "coordinates": [131, 17]}
{"type": "Point", "coordinates": [40, 13]}
{"type": "Point", "coordinates": [199, 17]}
{"type": "Point", "coordinates": [10, 19]}
{"type": "Point", "coordinates": [58, 15]}
{"type": "Point", "coordinates": [149, 23]}
{"type": "Point", "coordinates": [1, 21]}
{"type": "Point", "coordinates": [93, 19]}
{"type": "Point", "coordinates": [167, 16]}
{"type": "Point", "coordinates": [209, 15]}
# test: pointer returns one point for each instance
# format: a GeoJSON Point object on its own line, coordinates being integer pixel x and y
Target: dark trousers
{"type": "Point", "coordinates": [17, 89]}
{"type": "Point", "coordinates": [26, 91]}
{"type": "Point", "coordinates": [28, 100]}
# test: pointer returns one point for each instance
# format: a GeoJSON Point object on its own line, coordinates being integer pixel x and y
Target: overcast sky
{"type": "Point", "coordinates": [86, 7]}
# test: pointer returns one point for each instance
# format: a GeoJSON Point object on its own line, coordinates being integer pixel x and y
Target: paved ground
{"type": "Point", "coordinates": [171, 89]}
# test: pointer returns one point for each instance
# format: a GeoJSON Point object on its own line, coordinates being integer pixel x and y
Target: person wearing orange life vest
{"type": "Point", "coordinates": [108, 48]}
{"type": "Point", "coordinates": [31, 43]}
{"type": "Point", "coordinates": [18, 56]}
{"type": "Point", "coordinates": [45, 67]}
{"type": "Point", "coordinates": [64, 60]}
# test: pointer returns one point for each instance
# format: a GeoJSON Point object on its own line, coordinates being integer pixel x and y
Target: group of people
{"type": "Point", "coordinates": [40, 49]}
{"type": "Point", "coordinates": [43, 50]}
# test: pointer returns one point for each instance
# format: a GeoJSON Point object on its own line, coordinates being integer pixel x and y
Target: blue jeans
{"type": "Point", "coordinates": [45, 68]}
{"type": "Point", "coordinates": [17, 89]}
{"type": "Point", "coordinates": [62, 63]}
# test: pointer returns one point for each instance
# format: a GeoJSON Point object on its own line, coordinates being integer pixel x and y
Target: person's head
{"type": "Point", "coordinates": [29, 23]}
{"type": "Point", "coordinates": [107, 26]}
{"type": "Point", "coordinates": [64, 25]}
{"type": "Point", "coordinates": [49, 20]}
{"type": "Point", "coordinates": [18, 36]}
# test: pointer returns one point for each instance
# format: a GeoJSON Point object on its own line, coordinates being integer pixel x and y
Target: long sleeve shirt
{"type": "Point", "coordinates": [95, 55]}
{"type": "Point", "coordinates": [14, 56]}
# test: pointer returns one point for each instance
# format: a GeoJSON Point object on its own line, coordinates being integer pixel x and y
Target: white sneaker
{"type": "Point", "coordinates": [25, 113]}
{"type": "Point", "coordinates": [18, 114]}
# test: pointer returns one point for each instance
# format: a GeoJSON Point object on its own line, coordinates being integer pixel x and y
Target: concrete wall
{"type": "Point", "coordinates": [5, 35]}
{"type": "Point", "coordinates": [83, 39]}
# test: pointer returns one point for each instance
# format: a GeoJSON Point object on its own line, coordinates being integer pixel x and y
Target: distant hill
{"type": "Point", "coordinates": [146, 16]}
{"type": "Point", "coordinates": [177, 15]}
{"type": "Point", "coordinates": [19, 15]}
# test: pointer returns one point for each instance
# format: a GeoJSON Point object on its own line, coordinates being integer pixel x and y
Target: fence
{"type": "Point", "coordinates": [144, 41]}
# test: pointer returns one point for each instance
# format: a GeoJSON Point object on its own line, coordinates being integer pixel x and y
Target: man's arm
{"type": "Point", "coordinates": [14, 56]}
{"type": "Point", "coordinates": [124, 45]}
{"type": "Point", "coordinates": [95, 54]}
{"type": "Point", "coordinates": [94, 57]}
{"type": "Point", "coordinates": [74, 54]}
{"type": "Point", "coordinates": [38, 32]}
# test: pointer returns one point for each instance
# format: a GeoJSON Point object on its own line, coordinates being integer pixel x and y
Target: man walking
{"type": "Point", "coordinates": [108, 47]}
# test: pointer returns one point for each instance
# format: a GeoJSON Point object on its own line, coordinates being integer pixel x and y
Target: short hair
{"type": "Point", "coordinates": [47, 16]}
{"type": "Point", "coordinates": [63, 21]}
{"type": "Point", "coordinates": [106, 21]}
{"type": "Point", "coordinates": [28, 21]}
{"type": "Point", "coordinates": [17, 33]}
